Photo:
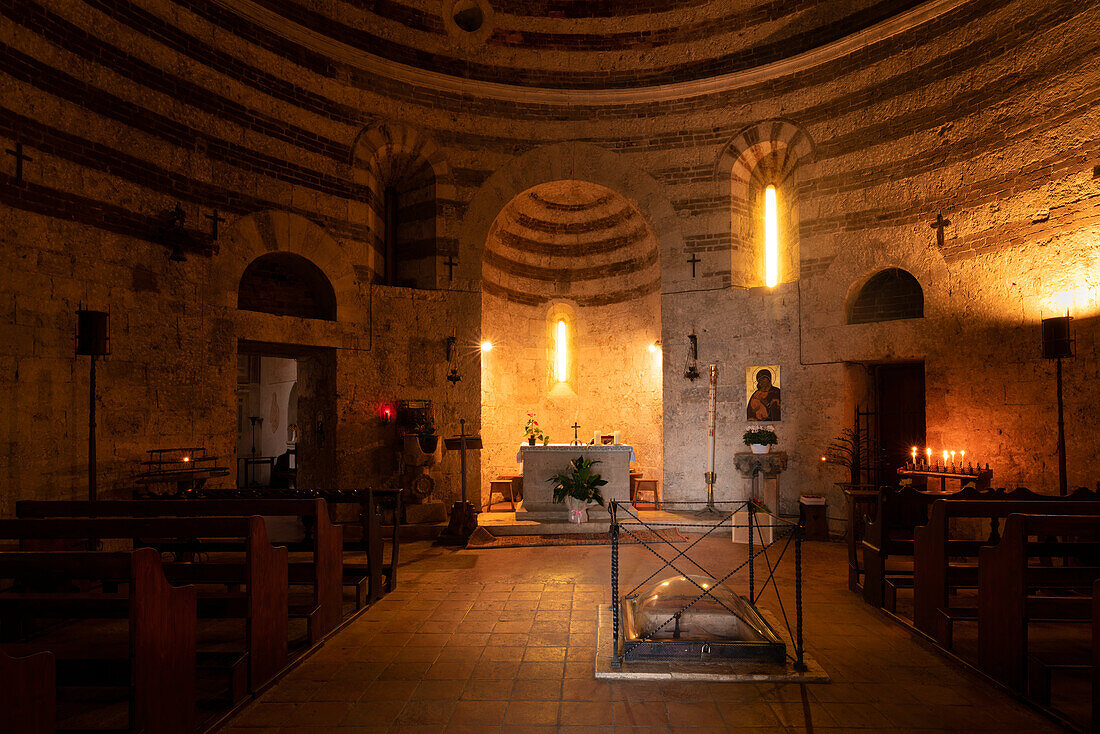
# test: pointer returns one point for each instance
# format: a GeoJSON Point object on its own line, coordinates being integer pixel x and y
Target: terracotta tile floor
{"type": "Point", "coordinates": [502, 640]}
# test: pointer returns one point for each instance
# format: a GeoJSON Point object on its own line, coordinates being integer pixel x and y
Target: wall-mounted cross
{"type": "Point", "coordinates": [939, 226]}
{"type": "Point", "coordinates": [694, 260]}
{"type": "Point", "coordinates": [214, 219]}
{"type": "Point", "coordinates": [450, 262]}
{"type": "Point", "coordinates": [20, 156]}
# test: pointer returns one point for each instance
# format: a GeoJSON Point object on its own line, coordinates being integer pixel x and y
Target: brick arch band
{"type": "Point", "coordinates": [255, 235]}
{"type": "Point", "coordinates": [560, 162]}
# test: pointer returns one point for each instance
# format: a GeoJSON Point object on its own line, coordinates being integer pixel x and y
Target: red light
{"type": "Point", "coordinates": [385, 413]}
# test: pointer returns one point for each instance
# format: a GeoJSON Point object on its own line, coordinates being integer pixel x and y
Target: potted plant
{"type": "Point", "coordinates": [760, 440]}
{"type": "Point", "coordinates": [578, 487]}
{"type": "Point", "coordinates": [533, 432]}
{"type": "Point", "coordinates": [425, 435]}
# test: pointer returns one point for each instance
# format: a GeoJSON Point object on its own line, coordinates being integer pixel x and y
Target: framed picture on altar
{"type": "Point", "coordinates": [607, 439]}
{"type": "Point", "coordinates": [762, 396]}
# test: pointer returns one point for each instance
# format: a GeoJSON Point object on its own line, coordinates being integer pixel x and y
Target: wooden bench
{"type": "Point", "coordinates": [1040, 668]}
{"type": "Point", "coordinates": [938, 565]}
{"type": "Point", "coordinates": [861, 503]}
{"type": "Point", "coordinates": [30, 693]}
{"type": "Point", "coordinates": [323, 539]}
{"type": "Point", "coordinates": [890, 536]}
{"type": "Point", "coordinates": [1012, 591]}
{"type": "Point", "coordinates": [157, 663]}
{"type": "Point", "coordinates": [262, 604]}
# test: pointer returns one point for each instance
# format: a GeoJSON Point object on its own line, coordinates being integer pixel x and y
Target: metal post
{"type": "Point", "coordinates": [615, 661]}
{"type": "Point", "coordinates": [799, 651]}
{"type": "Point", "coordinates": [91, 434]}
{"type": "Point", "coordinates": [752, 583]}
{"type": "Point", "coordinates": [1063, 490]}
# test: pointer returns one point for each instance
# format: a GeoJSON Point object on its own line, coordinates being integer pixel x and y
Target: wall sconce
{"type": "Point", "coordinates": [486, 346]}
{"type": "Point", "coordinates": [692, 371]}
{"type": "Point", "coordinates": [385, 413]}
{"type": "Point", "coordinates": [655, 347]}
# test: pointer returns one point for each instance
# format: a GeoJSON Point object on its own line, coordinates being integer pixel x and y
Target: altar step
{"type": "Point", "coordinates": [505, 523]}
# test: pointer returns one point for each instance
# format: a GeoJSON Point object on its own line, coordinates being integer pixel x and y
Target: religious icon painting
{"type": "Point", "coordinates": [762, 393]}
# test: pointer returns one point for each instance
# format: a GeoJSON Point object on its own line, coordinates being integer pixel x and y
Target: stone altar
{"type": "Point", "coordinates": [542, 462]}
{"type": "Point", "coordinates": [759, 479]}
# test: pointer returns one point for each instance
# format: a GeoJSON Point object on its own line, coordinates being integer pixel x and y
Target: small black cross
{"type": "Point", "coordinates": [576, 427]}
{"type": "Point", "coordinates": [694, 259]}
{"type": "Point", "coordinates": [20, 156]}
{"type": "Point", "coordinates": [939, 225]}
{"type": "Point", "coordinates": [450, 262]}
{"type": "Point", "coordinates": [214, 219]}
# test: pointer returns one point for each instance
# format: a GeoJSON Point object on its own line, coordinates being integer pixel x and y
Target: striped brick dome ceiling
{"type": "Point", "coordinates": [571, 240]}
{"type": "Point", "coordinates": [556, 44]}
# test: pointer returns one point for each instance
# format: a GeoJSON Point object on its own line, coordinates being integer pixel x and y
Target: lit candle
{"type": "Point", "coordinates": [962, 457]}
{"type": "Point", "coordinates": [928, 457]}
{"type": "Point", "coordinates": [913, 453]}
{"type": "Point", "coordinates": [945, 458]}
{"type": "Point", "coordinates": [952, 458]}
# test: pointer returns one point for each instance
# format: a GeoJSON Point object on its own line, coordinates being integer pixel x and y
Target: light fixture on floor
{"type": "Point", "coordinates": [1058, 345]}
{"type": "Point", "coordinates": [93, 338]}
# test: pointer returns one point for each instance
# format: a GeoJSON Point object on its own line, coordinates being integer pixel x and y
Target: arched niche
{"type": "Point", "coordinates": [768, 153]}
{"type": "Point", "coordinates": [888, 295]}
{"type": "Point", "coordinates": [286, 284]}
{"type": "Point", "coordinates": [407, 180]}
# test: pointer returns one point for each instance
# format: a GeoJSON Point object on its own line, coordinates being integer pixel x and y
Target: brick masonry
{"type": "Point", "coordinates": [985, 114]}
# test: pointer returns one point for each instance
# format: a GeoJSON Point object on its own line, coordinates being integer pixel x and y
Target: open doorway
{"type": "Point", "coordinates": [286, 408]}
{"type": "Point", "coordinates": [900, 411]}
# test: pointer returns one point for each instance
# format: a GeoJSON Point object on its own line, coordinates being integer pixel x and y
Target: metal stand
{"type": "Point", "coordinates": [710, 510]}
{"type": "Point", "coordinates": [91, 432]}
{"type": "Point", "coordinates": [1063, 489]}
{"type": "Point", "coordinates": [463, 514]}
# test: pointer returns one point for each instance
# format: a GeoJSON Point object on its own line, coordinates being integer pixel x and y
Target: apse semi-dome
{"type": "Point", "coordinates": [571, 240]}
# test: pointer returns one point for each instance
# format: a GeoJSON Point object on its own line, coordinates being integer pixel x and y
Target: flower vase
{"type": "Point", "coordinates": [760, 448]}
{"type": "Point", "coordinates": [578, 510]}
{"type": "Point", "coordinates": [530, 440]}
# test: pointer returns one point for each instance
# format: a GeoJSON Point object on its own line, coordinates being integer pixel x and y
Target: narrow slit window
{"type": "Point", "coordinates": [561, 353]}
{"type": "Point", "coordinates": [771, 238]}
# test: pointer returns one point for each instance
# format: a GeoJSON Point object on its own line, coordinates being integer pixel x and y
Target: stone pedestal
{"type": "Point", "coordinates": [759, 479]}
{"type": "Point", "coordinates": [542, 462]}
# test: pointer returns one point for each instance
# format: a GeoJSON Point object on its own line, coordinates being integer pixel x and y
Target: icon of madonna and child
{"type": "Point", "coordinates": [763, 393]}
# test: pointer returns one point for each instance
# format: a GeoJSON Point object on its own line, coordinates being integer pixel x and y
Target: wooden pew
{"type": "Point", "coordinates": [1041, 668]}
{"type": "Point", "coordinates": [324, 540]}
{"type": "Point", "coordinates": [263, 604]}
{"type": "Point", "coordinates": [29, 693]}
{"type": "Point", "coordinates": [858, 501]}
{"type": "Point", "coordinates": [890, 535]}
{"type": "Point", "coordinates": [936, 568]}
{"type": "Point", "coordinates": [159, 662]}
{"type": "Point", "coordinates": [1007, 584]}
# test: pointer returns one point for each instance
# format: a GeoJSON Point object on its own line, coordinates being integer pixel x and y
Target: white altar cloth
{"type": "Point", "coordinates": [542, 462]}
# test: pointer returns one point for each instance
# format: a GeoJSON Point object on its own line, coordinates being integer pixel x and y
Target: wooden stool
{"type": "Point", "coordinates": [643, 487]}
{"type": "Point", "coordinates": [506, 488]}
{"type": "Point", "coordinates": [634, 477]}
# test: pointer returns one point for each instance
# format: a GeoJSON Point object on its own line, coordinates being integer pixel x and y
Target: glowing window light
{"type": "Point", "coordinates": [561, 357]}
{"type": "Point", "coordinates": [771, 238]}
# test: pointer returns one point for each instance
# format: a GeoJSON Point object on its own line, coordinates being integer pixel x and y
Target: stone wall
{"type": "Point", "coordinates": [881, 116]}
